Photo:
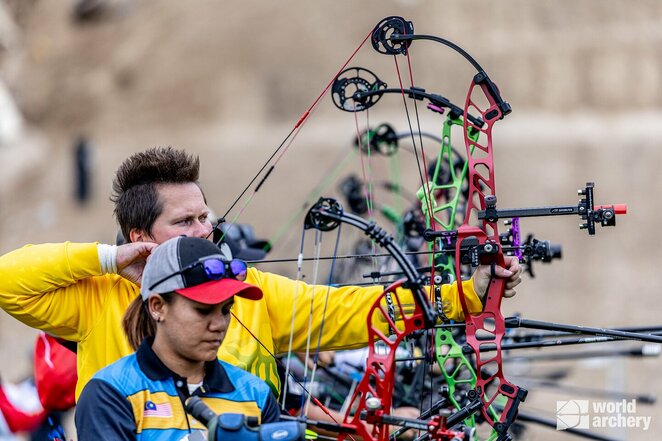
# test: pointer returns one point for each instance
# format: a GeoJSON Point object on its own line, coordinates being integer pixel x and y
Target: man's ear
{"type": "Point", "coordinates": [136, 235]}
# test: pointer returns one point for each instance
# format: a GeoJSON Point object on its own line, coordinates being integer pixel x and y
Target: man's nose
{"type": "Point", "coordinates": [203, 229]}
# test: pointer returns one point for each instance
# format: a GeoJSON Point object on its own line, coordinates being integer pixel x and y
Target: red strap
{"type": "Point", "coordinates": [17, 420]}
{"type": "Point", "coordinates": [55, 373]}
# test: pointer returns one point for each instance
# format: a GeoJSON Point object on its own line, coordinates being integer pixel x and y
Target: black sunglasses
{"type": "Point", "coordinates": [215, 269]}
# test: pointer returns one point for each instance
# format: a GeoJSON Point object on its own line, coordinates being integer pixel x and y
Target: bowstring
{"type": "Point", "coordinates": [367, 176]}
{"type": "Point", "coordinates": [294, 310]}
{"type": "Point", "coordinates": [326, 304]}
{"type": "Point", "coordinates": [316, 264]}
{"type": "Point", "coordinates": [288, 373]}
{"type": "Point", "coordinates": [428, 348]}
{"type": "Point", "coordinates": [422, 175]}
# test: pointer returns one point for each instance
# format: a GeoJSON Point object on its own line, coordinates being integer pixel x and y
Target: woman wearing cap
{"type": "Point", "coordinates": [188, 291]}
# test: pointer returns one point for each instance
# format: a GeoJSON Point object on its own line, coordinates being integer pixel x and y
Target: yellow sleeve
{"type": "Point", "coordinates": [347, 308]}
{"type": "Point", "coordinates": [57, 288]}
{"type": "Point", "coordinates": [450, 299]}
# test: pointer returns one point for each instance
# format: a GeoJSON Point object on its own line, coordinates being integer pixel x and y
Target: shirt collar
{"type": "Point", "coordinates": [216, 379]}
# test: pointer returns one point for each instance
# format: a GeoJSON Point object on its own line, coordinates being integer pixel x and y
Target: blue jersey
{"type": "Point", "coordinates": [139, 398]}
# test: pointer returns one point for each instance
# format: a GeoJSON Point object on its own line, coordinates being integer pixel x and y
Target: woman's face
{"type": "Point", "coordinates": [193, 331]}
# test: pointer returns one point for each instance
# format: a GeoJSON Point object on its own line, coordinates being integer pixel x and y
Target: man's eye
{"type": "Point", "coordinates": [204, 311]}
{"type": "Point", "coordinates": [227, 309]}
{"type": "Point", "coordinates": [204, 218]}
{"type": "Point", "coordinates": [185, 221]}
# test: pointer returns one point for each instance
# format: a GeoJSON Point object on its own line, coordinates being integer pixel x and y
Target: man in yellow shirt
{"type": "Point", "coordinates": [80, 292]}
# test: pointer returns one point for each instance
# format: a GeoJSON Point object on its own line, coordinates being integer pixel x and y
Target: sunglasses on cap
{"type": "Point", "coordinates": [215, 269]}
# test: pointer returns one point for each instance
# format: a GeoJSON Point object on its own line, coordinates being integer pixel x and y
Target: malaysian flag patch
{"type": "Point", "coordinates": [157, 410]}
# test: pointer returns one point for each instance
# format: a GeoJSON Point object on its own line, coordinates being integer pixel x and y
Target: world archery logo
{"type": "Point", "coordinates": [577, 414]}
{"type": "Point", "coordinates": [157, 410]}
{"type": "Point", "coordinates": [572, 414]}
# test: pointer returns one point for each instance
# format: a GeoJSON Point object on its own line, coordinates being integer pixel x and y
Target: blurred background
{"type": "Point", "coordinates": [228, 80]}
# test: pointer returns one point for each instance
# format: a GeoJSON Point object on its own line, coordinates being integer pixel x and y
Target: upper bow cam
{"type": "Point", "coordinates": [356, 89]}
{"type": "Point", "coordinates": [393, 36]}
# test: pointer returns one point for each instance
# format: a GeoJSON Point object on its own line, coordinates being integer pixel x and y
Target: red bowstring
{"type": "Point", "coordinates": [307, 113]}
{"type": "Point", "coordinates": [289, 139]}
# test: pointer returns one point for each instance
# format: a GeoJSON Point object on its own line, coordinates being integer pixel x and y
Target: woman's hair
{"type": "Point", "coordinates": [138, 323]}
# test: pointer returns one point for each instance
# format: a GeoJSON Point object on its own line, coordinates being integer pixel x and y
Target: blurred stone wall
{"type": "Point", "coordinates": [229, 80]}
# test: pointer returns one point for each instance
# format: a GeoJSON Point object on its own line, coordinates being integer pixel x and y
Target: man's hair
{"type": "Point", "coordinates": [135, 193]}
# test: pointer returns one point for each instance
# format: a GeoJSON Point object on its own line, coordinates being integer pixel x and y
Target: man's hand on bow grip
{"type": "Point", "coordinates": [512, 273]}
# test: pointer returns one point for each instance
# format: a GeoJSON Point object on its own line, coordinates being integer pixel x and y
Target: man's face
{"type": "Point", "coordinates": [184, 214]}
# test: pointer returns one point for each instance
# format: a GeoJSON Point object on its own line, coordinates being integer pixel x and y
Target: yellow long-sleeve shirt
{"type": "Point", "coordinates": [60, 289]}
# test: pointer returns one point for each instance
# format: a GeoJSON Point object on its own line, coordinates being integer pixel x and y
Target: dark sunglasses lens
{"type": "Point", "coordinates": [214, 268]}
{"type": "Point", "coordinates": [238, 267]}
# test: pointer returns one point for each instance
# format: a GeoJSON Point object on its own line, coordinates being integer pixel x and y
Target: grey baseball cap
{"type": "Point", "coordinates": [177, 266]}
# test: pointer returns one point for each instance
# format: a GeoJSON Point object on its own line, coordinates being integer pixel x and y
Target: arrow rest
{"type": "Point", "coordinates": [530, 250]}
{"type": "Point", "coordinates": [542, 250]}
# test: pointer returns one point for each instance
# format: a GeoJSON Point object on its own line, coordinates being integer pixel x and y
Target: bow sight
{"type": "Point", "coordinates": [604, 215]}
